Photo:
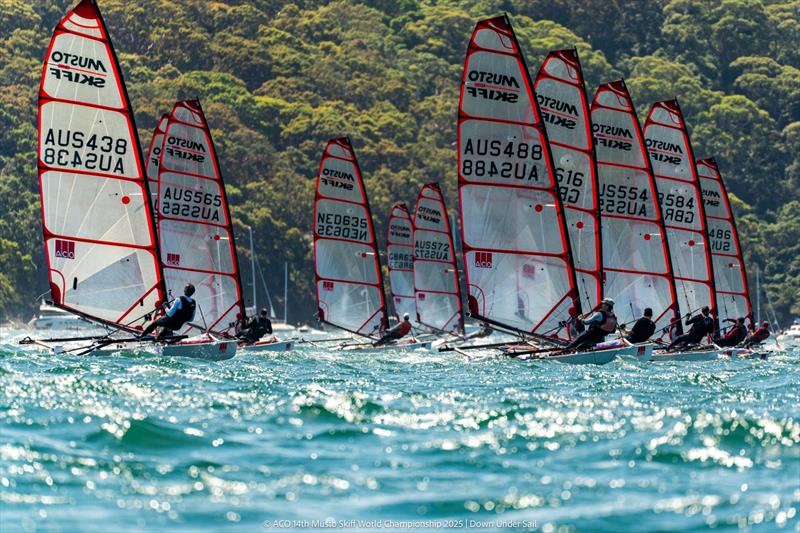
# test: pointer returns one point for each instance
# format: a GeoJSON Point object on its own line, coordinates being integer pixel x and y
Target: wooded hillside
{"type": "Point", "coordinates": [277, 79]}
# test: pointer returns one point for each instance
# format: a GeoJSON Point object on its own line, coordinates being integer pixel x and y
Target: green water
{"type": "Point", "coordinates": [261, 442]}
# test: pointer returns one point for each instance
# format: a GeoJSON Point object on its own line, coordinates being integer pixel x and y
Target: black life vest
{"type": "Point", "coordinates": [185, 313]}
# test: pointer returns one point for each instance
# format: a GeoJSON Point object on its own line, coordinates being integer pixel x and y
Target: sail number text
{"type": "Point", "coordinates": [477, 159]}
{"type": "Point", "coordinates": [350, 227]}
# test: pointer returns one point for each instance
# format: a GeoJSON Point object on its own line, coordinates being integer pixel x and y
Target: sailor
{"type": "Point", "coordinates": [642, 330]}
{"type": "Point", "coordinates": [702, 325]}
{"type": "Point", "coordinates": [737, 333]}
{"type": "Point", "coordinates": [759, 335]}
{"type": "Point", "coordinates": [397, 332]}
{"type": "Point", "coordinates": [181, 312]}
{"type": "Point", "coordinates": [256, 328]}
{"type": "Point", "coordinates": [598, 325]}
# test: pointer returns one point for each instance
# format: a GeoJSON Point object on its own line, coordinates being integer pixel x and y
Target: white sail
{"type": "Point", "coordinates": [436, 286]}
{"type": "Point", "coordinates": [99, 238]}
{"type": "Point", "coordinates": [636, 262]}
{"type": "Point", "coordinates": [347, 267]}
{"type": "Point", "coordinates": [562, 100]}
{"type": "Point", "coordinates": [194, 223]}
{"type": "Point", "coordinates": [670, 151]}
{"type": "Point", "coordinates": [516, 253]}
{"type": "Point", "coordinates": [730, 275]}
{"type": "Point", "coordinates": [400, 257]}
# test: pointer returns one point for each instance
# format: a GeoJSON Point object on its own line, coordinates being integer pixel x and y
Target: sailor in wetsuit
{"type": "Point", "coordinates": [181, 312]}
{"type": "Point", "coordinates": [702, 325]}
{"type": "Point", "coordinates": [737, 333]}
{"type": "Point", "coordinates": [256, 328]}
{"type": "Point", "coordinates": [598, 325]}
{"type": "Point", "coordinates": [397, 332]}
{"type": "Point", "coordinates": [642, 330]}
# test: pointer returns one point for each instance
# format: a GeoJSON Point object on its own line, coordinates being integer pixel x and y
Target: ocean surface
{"type": "Point", "coordinates": [393, 440]}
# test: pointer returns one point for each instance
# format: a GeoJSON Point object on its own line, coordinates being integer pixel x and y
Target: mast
{"type": "Point", "coordinates": [727, 258]}
{"type": "Point", "coordinates": [517, 257]}
{"type": "Point", "coordinates": [96, 218]}
{"type": "Point", "coordinates": [560, 92]}
{"type": "Point", "coordinates": [253, 268]}
{"type": "Point", "coordinates": [347, 269]}
{"type": "Point", "coordinates": [286, 292]}
{"type": "Point", "coordinates": [678, 188]}
{"type": "Point", "coordinates": [637, 267]}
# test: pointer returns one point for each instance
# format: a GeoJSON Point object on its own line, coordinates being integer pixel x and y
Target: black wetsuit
{"type": "Point", "coordinates": [256, 328]}
{"type": "Point", "coordinates": [702, 325]}
{"type": "Point", "coordinates": [642, 330]}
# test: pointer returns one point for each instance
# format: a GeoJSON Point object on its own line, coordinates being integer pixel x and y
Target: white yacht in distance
{"type": "Point", "coordinates": [52, 317]}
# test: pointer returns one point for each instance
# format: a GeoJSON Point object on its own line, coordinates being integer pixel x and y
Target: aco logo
{"type": "Point", "coordinates": [65, 249]}
{"type": "Point", "coordinates": [173, 259]}
{"type": "Point", "coordinates": [483, 260]}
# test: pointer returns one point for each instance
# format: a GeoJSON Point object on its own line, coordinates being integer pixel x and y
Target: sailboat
{"type": "Point", "coordinates": [678, 189]}
{"type": "Point", "coordinates": [100, 241]}
{"type": "Point", "coordinates": [518, 261]}
{"type": "Point", "coordinates": [435, 275]}
{"type": "Point", "coordinates": [347, 268]}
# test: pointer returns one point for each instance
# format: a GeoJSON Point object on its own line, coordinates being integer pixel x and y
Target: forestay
{"type": "Point", "coordinates": [436, 286]}
{"type": "Point", "coordinates": [400, 254]}
{"type": "Point", "coordinates": [730, 275]}
{"type": "Point", "coordinates": [559, 89]}
{"type": "Point", "coordinates": [670, 151]}
{"type": "Point", "coordinates": [194, 223]}
{"type": "Point", "coordinates": [153, 159]}
{"type": "Point", "coordinates": [99, 240]}
{"type": "Point", "coordinates": [347, 268]}
{"type": "Point", "coordinates": [516, 255]}
{"type": "Point", "coordinates": [636, 263]}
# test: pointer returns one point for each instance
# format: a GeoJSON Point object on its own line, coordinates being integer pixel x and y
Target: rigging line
{"type": "Point", "coordinates": [266, 287]}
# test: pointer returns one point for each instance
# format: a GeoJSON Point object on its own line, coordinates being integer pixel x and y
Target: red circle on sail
{"type": "Point", "coordinates": [216, 237]}
{"type": "Point", "coordinates": [538, 208]}
{"type": "Point", "coordinates": [647, 236]}
{"type": "Point", "coordinates": [691, 243]}
{"type": "Point", "coordinates": [579, 225]}
{"type": "Point", "coordinates": [126, 199]}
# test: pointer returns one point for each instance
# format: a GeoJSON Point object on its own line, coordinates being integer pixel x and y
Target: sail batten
{"type": "Point", "coordinates": [437, 289]}
{"type": "Point", "coordinates": [678, 187]}
{"type": "Point", "coordinates": [637, 267]}
{"type": "Point", "coordinates": [560, 92]}
{"type": "Point", "coordinates": [99, 238]}
{"type": "Point", "coordinates": [348, 278]}
{"type": "Point", "coordinates": [194, 224]}
{"type": "Point", "coordinates": [727, 259]}
{"type": "Point", "coordinates": [515, 245]}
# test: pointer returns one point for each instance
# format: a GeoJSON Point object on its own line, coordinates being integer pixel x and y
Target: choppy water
{"type": "Point", "coordinates": [142, 443]}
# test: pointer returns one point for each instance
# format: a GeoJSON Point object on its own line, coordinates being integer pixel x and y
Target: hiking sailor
{"type": "Point", "coordinates": [397, 332]}
{"type": "Point", "coordinates": [758, 336]}
{"type": "Point", "coordinates": [181, 312]}
{"type": "Point", "coordinates": [702, 325]}
{"type": "Point", "coordinates": [642, 330]}
{"type": "Point", "coordinates": [598, 325]}
{"type": "Point", "coordinates": [257, 327]}
{"type": "Point", "coordinates": [737, 333]}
